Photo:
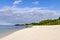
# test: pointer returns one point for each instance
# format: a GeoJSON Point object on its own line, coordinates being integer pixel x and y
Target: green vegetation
{"type": "Point", "coordinates": [43, 22]}
{"type": "Point", "coordinates": [47, 22]}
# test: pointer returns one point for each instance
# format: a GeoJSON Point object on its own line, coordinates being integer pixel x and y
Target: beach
{"type": "Point", "coordinates": [36, 33]}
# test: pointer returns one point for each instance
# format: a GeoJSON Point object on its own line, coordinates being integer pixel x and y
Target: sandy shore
{"type": "Point", "coordinates": [36, 33]}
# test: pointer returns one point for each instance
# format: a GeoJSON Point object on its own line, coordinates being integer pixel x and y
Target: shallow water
{"type": "Point", "coordinates": [8, 29]}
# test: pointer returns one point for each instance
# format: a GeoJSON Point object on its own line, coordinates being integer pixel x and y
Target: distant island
{"type": "Point", "coordinates": [19, 24]}
{"type": "Point", "coordinates": [43, 22]}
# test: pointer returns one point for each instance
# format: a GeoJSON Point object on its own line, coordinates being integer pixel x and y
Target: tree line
{"type": "Point", "coordinates": [47, 22]}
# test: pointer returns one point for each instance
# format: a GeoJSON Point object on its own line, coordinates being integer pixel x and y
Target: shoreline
{"type": "Point", "coordinates": [36, 33]}
{"type": "Point", "coordinates": [46, 25]}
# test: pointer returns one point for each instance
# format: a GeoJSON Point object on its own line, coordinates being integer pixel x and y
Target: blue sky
{"type": "Point", "coordinates": [27, 11]}
{"type": "Point", "coordinates": [53, 4]}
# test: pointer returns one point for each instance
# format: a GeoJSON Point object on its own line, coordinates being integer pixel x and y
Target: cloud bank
{"type": "Point", "coordinates": [26, 15]}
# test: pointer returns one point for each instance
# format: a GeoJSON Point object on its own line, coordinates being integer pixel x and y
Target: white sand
{"type": "Point", "coordinates": [36, 33]}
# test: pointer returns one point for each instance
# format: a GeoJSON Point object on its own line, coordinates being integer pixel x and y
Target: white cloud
{"type": "Point", "coordinates": [36, 2]}
{"type": "Point", "coordinates": [16, 2]}
{"type": "Point", "coordinates": [24, 15]}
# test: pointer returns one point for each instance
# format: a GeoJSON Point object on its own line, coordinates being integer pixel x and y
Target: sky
{"type": "Point", "coordinates": [28, 11]}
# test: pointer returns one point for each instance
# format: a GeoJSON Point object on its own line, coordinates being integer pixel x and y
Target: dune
{"type": "Point", "coordinates": [36, 33]}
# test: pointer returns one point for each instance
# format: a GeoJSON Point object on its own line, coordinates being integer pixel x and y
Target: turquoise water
{"type": "Point", "coordinates": [8, 29]}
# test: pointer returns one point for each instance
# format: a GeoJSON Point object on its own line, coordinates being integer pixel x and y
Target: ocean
{"type": "Point", "coordinates": [8, 29]}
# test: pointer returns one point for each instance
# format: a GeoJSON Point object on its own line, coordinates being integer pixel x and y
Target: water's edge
{"type": "Point", "coordinates": [8, 29]}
